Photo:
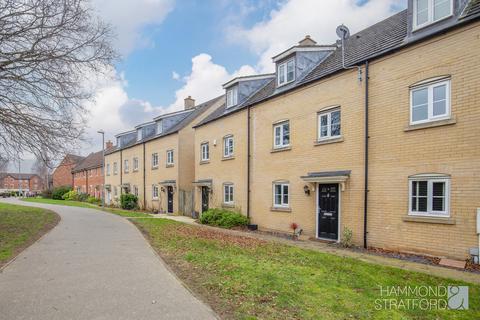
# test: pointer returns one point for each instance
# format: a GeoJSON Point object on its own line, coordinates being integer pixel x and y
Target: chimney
{"type": "Point", "coordinates": [307, 41]}
{"type": "Point", "coordinates": [189, 103]}
{"type": "Point", "coordinates": [108, 144]}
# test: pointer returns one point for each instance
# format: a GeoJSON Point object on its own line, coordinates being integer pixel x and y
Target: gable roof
{"type": "Point", "coordinates": [18, 176]}
{"type": "Point", "coordinates": [379, 39]}
{"type": "Point", "coordinates": [92, 161]}
{"type": "Point", "coordinates": [182, 123]}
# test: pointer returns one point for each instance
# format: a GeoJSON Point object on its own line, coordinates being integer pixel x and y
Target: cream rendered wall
{"type": "Point", "coordinates": [134, 178]}
{"type": "Point", "coordinates": [113, 180]}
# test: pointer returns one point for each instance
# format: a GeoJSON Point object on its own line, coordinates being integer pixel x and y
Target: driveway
{"type": "Point", "coordinates": [93, 265]}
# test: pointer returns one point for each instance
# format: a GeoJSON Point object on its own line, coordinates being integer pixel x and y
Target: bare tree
{"type": "Point", "coordinates": [49, 49]}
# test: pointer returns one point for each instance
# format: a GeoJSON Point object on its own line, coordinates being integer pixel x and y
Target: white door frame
{"type": "Point", "coordinates": [317, 195]}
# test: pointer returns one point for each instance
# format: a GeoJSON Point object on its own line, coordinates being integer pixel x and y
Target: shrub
{"type": "Point", "coordinates": [346, 240]}
{"type": "Point", "coordinates": [70, 195]}
{"type": "Point", "coordinates": [93, 200]}
{"type": "Point", "coordinates": [223, 218]}
{"type": "Point", "coordinates": [129, 201]}
{"type": "Point", "coordinates": [47, 194]}
{"type": "Point", "coordinates": [59, 192]}
{"type": "Point", "coordinates": [82, 197]}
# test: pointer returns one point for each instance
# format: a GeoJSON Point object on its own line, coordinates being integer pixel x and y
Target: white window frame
{"type": "Point", "coordinates": [430, 86]}
{"type": "Point", "coordinates": [282, 143]}
{"type": "Point", "coordinates": [115, 169]}
{"type": "Point", "coordinates": [430, 180]}
{"type": "Point", "coordinates": [328, 113]}
{"type": "Point", "coordinates": [139, 134]}
{"type": "Point", "coordinates": [227, 153]}
{"type": "Point", "coordinates": [159, 128]}
{"type": "Point", "coordinates": [155, 160]}
{"type": "Point", "coordinates": [170, 160]}
{"type": "Point", "coordinates": [135, 191]}
{"type": "Point", "coordinates": [135, 164]}
{"type": "Point", "coordinates": [126, 167]}
{"type": "Point", "coordinates": [232, 97]}
{"type": "Point", "coordinates": [430, 19]}
{"type": "Point", "coordinates": [231, 193]}
{"type": "Point", "coordinates": [285, 72]}
{"type": "Point", "coordinates": [205, 151]}
{"type": "Point", "coordinates": [155, 192]}
{"type": "Point", "coordinates": [282, 203]}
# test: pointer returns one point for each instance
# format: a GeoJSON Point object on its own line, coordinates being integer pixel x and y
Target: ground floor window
{"type": "Point", "coordinates": [281, 194]}
{"type": "Point", "coordinates": [154, 192]}
{"type": "Point", "coordinates": [228, 193]}
{"type": "Point", "coordinates": [135, 191]}
{"type": "Point", "coordinates": [429, 195]}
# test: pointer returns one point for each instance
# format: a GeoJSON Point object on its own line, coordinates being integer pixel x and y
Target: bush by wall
{"type": "Point", "coordinates": [70, 195]}
{"type": "Point", "coordinates": [223, 218]}
{"type": "Point", "coordinates": [93, 200]}
{"type": "Point", "coordinates": [47, 194]}
{"type": "Point", "coordinates": [129, 201]}
{"type": "Point", "coordinates": [58, 192]}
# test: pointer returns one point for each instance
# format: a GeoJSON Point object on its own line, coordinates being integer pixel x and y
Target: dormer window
{"type": "Point", "coordinates": [159, 127]}
{"type": "Point", "coordinates": [426, 12]}
{"type": "Point", "coordinates": [139, 134]}
{"type": "Point", "coordinates": [232, 97]}
{"type": "Point", "coordinates": [286, 72]}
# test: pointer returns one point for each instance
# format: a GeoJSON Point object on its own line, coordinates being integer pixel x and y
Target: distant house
{"type": "Point", "coordinates": [21, 182]}
{"type": "Point", "coordinates": [62, 176]}
{"type": "Point", "coordinates": [88, 175]}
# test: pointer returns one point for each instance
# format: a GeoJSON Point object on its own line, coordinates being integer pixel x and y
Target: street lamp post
{"type": "Point", "coordinates": [103, 166]}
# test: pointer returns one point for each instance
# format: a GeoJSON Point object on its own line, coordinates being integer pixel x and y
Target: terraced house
{"type": "Point", "coordinates": [377, 134]}
{"type": "Point", "coordinates": [88, 175]}
{"type": "Point", "coordinates": [155, 161]}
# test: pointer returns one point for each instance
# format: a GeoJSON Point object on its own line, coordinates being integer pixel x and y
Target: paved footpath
{"type": "Point", "coordinates": [92, 266]}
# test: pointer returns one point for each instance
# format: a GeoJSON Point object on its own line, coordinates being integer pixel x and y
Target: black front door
{"type": "Point", "coordinates": [328, 211]}
{"type": "Point", "coordinates": [204, 199]}
{"type": "Point", "coordinates": [169, 199]}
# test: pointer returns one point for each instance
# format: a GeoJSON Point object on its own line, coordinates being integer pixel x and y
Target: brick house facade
{"type": "Point", "coordinates": [62, 175]}
{"type": "Point", "coordinates": [28, 182]}
{"type": "Point", "coordinates": [88, 175]}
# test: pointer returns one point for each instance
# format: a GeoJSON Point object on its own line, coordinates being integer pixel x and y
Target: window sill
{"type": "Point", "coordinates": [228, 205]}
{"type": "Point", "coordinates": [328, 141]}
{"type": "Point", "coordinates": [281, 209]}
{"type": "Point", "coordinates": [280, 149]}
{"type": "Point", "coordinates": [155, 168]}
{"type": "Point", "coordinates": [205, 162]}
{"type": "Point", "coordinates": [169, 166]}
{"type": "Point", "coordinates": [228, 158]}
{"type": "Point", "coordinates": [155, 199]}
{"type": "Point", "coordinates": [432, 124]}
{"type": "Point", "coordinates": [135, 170]}
{"type": "Point", "coordinates": [425, 219]}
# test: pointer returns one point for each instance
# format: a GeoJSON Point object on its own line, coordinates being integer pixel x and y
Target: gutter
{"type": "Point", "coordinates": [365, 195]}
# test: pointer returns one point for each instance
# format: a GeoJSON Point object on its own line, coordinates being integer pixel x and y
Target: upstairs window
{"type": "Point", "coordinates": [125, 166]}
{"type": "Point", "coordinates": [115, 169]}
{"type": "Point", "coordinates": [429, 195]}
{"type": "Point", "coordinates": [232, 97]}
{"type": "Point", "coordinates": [281, 135]}
{"type": "Point", "coordinates": [430, 102]}
{"type": "Point", "coordinates": [205, 151]}
{"type": "Point", "coordinates": [155, 160]}
{"type": "Point", "coordinates": [169, 157]}
{"type": "Point", "coordinates": [228, 146]}
{"type": "Point", "coordinates": [139, 134]}
{"type": "Point", "coordinates": [329, 124]}
{"type": "Point", "coordinates": [135, 164]}
{"type": "Point", "coordinates": [286, 72]}
{"type": "Point", "coordinates": [426, 12]}
{"type": "Point", "coordinates": [159, 127]}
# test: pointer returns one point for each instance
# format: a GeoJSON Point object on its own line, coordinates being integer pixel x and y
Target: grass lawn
{"type": "Point", "coordinates": [244, 278]}
{"type": "Point", "coordinates": [20, 226]}
{"type": "Point", "coordinates": [120, 212]}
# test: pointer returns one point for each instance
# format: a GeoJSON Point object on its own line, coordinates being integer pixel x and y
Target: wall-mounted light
{"type": "Point", "coordinates": [162, 189]}
{"type": "Point", "coordinates": [306, 189]}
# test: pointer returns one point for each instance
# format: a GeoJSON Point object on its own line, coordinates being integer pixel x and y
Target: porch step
{"type": "Point", "coordinates": [452, 263]}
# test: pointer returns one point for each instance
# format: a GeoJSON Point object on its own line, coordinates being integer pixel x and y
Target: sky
{"type": "Point", "coordinates": [172, 49]}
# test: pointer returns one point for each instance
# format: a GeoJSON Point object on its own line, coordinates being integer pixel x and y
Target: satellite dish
{"type": "Point", "coordinates": [343, 32]}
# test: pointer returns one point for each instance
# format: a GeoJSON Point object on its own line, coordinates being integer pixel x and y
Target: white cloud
{"type": "Point", "coordinates": [129, 17]}
{"type": "Point", "coordinates": [297, 18]}
{"type": "Point", "coordinates": [175, 76]}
